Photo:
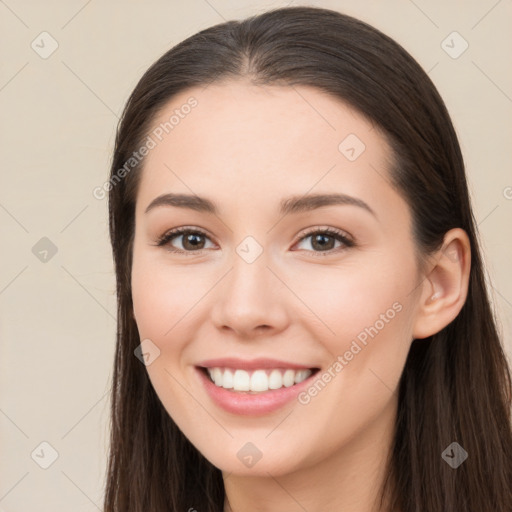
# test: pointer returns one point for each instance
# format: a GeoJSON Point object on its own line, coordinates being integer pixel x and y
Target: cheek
{"type": "Point", "coordinates": [349, 302]}
{"type": "Point", "coordinates": [151, 305]}
{"type": "Point", "coordinates": [161, 296]}
{"type": "Point", "coordinates": [367, 312]}
{"type": "Point", "coordinates": [163, 308]}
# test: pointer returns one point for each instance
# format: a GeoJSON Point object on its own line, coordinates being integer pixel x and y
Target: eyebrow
{"type": "Point", "coordinates": [294, 204]}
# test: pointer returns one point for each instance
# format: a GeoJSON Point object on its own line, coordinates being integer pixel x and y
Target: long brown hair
{"type": "Point", "coordinates": [456, 384]}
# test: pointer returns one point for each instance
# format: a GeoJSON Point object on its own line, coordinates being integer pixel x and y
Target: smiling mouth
{"type": "Point", "coordinates": [256, 381]}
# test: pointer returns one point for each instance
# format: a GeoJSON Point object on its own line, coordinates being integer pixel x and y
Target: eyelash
{"type": "Point", "coordinates": [335, 233]}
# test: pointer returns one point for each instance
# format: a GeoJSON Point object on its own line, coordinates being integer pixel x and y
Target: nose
{"type": "Point", "coordinates": [250, 300]}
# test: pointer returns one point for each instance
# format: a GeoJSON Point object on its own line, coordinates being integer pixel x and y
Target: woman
{"type": "Point", "coordinates": [303, 322]}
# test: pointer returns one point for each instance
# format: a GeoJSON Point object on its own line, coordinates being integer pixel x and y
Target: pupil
{"type": "Point", "coordinates": [192, 239]}
{"type": "Point", "coordinates": [321, 240]}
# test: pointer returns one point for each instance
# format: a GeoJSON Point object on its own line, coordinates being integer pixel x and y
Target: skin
{"type": "Point", "coordinates": [245, 148]}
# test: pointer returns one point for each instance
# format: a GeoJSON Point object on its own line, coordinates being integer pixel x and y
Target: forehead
{"type": "Point", "coordinates": [273, 140]}
{"type": "Point", "coordinates": [230, 115]}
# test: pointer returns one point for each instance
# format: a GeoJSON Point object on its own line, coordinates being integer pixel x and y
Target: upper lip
{"type": "Point", "coordinates": [252, 364]}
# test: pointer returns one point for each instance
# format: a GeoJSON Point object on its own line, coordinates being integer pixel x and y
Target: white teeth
{"type": "Point", "coordinates": [275, 380]}
{"type": "Point", "coordinates": [217, 376]}
{"type": "Point", "coordinates": [258, 380]}
{"type": "Point", "coordinates": [302, 375]}
{"type": "Point", "coordinates": [227, 379]}
{"type": "Point", "coordinates": [241, 381]}
{"type": "Point", "coordinates": [289, 378]}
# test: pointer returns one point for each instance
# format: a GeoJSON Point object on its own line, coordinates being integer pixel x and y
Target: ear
{"type": "Point", "coordinates": [445, 287]}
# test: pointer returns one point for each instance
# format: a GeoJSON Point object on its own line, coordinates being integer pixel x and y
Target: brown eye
{"type": "Point", "coordinates": [324, 241]}
{"type": "Point", "coordinates": [191, 240]}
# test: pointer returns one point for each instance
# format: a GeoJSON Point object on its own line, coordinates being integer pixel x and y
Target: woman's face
{"type": "Point", "coordinates": [259, 290]}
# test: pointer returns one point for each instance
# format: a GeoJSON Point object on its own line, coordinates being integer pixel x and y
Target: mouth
{"type": "Point", "coordinates": [253, 387]}
{"type": "Point", "coordinates": [256, 381]}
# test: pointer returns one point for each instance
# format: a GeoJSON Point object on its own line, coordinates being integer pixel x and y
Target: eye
{"type": "Point", "coordinates": [192, 240]}
{"type": "Point", "coordinates": [323, 241]}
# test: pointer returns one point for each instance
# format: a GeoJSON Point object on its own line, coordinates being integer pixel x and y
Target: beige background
{"type": "Point", "coordinates": [57, 128]}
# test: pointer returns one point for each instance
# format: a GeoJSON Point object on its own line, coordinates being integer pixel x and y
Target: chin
{"type": "Point", "coordinates": [248, 460]}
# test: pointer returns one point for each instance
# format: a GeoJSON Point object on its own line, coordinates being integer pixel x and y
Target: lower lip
{"type": "Point", "coordinates": [247, 404]}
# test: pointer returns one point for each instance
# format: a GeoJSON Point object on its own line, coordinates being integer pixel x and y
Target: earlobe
{"type": "Point", "coordinates": [445, 286]}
